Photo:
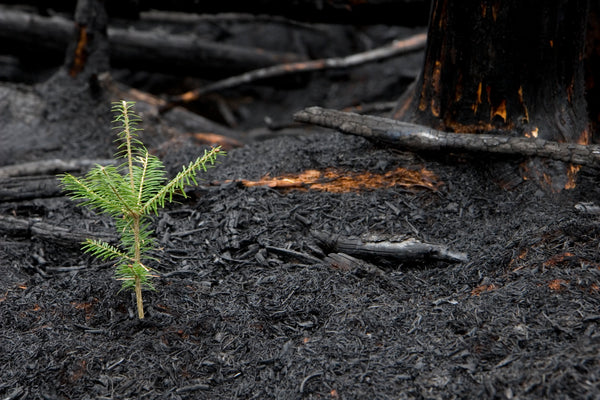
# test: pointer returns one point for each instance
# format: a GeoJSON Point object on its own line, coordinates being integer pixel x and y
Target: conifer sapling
{"type": "Point", "coordinates": [130, 193]}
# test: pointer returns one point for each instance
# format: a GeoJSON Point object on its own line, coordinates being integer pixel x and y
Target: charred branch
{"type": "Point", "coordinates": [404, 250]}
{"type": "Point", "coordinates": [345, 262]}
{"type": "Point", "coordinates": [396, 48]}
{"type": "Point", "coordinates": [404, 12]}
{"type": "Point", "coordinates": [33, 227]}
{"type": "Point", "coordinates": [418, 137]}
{"type": "Point", "coordinates": [37, 179]}
{"type": "Point", "coordinates": [50, 167]}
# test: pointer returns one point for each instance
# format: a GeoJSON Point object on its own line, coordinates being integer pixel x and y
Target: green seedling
{"type": "Point", "coordinates": [131, 193]}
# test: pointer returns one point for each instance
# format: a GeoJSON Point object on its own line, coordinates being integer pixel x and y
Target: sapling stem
{"type": "Point", "coordinates": [130, 193]}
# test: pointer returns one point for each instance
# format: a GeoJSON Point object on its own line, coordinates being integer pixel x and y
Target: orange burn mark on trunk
{"type": "Point", "coordinates": [459, 89]}
{"type": "Point", "coordinates": [533, 134]}
{"type": "Point", "coordinates": [80, 53]}
{"type": "Point", "coordinates": [495, 7]}
{"type": "Point", "coordinates": [572, 171]}
{"type": "Point", "coordinates": [499, 111]}
{"type": "Point", "coordinates": [436, 84]}
{"type": "Point", "coordinates": [585, 137]}
{"type": "Point", "coordinates": [337, 181]}
{"type": "Point", "coordinates": [570, 91]}
{"type": "Point", "coordinates": [475, 106]}
{"type": "Point", "coordinates": [522, 102]}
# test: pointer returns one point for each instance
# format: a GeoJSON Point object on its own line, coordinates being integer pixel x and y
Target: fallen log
{"type": "Point", "coordinates": [418, 137]}
{"type": "Point", "coordinates": [148, 50]}
{"type": "Point", "coordinates": [397, 12]}
{"type": "Point", "coordinates": [391, 248]}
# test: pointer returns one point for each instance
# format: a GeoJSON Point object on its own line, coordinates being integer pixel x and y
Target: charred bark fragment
{"type": "Point", "coordinates": [391, 249]}
{"type": "Point", "coordinates": [33, 227]}
{"type": "Point", "coordinates": [418, 137]}
{"type": "Point", "coordinates": [345, 262]}
{"type": "Point", "coordinates": [508, 66]}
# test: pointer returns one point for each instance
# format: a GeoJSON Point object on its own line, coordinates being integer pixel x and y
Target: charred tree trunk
{"type": "Point", "coordinates": [504, 67]}
{"type": "Point", "coordinates": [592, 66]}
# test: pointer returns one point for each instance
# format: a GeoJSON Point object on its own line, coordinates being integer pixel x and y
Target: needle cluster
{"type": "Point", "coordinates": [130, 193]}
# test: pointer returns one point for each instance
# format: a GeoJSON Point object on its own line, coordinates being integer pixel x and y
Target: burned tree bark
{"type": "Point", "coordinates": [509, 66]}
{"type": "Point", "coordinates": [592, 66]}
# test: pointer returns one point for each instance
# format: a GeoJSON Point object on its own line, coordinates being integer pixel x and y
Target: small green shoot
{"type": "Point", "coordinates": [130, 193]}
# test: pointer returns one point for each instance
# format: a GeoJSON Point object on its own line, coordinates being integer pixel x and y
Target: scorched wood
{"type": "Point", "coordinates": [405, 250]}
{"type": "Point", "coordinates": [418, 137]}
{"type": "Point", "coordinates": [33, 227]}
{"type": "Point", "coordinates": [148, 50]}
{"type": "Point", "coordinates": [396, 48]}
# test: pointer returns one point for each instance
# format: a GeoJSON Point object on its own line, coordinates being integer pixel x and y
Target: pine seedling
{"type": "Point", "coordinates": [130, 193]}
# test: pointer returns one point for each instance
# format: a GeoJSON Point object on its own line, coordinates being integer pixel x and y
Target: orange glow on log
{"type": "Point", "coordinates": [336, 181]}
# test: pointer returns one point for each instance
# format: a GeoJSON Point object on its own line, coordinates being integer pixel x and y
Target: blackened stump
{"type": "Point", "coordinates": [503, 67]}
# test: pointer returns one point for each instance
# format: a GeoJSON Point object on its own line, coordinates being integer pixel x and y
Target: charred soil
{"type": "Point", "coordinates": [236, 316]}
{"type": "Point", "coordinates": [249, 306]}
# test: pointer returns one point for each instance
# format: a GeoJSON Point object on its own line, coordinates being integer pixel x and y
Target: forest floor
{"type": "Point", "coordinates": [248, 305]}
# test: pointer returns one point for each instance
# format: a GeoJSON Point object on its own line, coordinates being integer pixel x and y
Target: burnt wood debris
{"type": "Point", "coordinates": [419, 137]}
{"type": "Point", "coordinates": [360, 239]}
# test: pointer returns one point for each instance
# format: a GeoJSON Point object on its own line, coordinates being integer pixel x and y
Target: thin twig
{"type": "Point", "coordinates": [396, 48]}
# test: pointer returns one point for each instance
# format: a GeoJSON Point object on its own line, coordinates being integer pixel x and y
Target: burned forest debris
{"type": "Point", "coordinates": [418, 137]}
{"type": "Point", "coordinates": [243, 309]}
{"type": "Point", "coordinates": [399, 249]}
{"type": "Point", "coordinates": [35, 227]}
{"type": "Point", "coordinates": [144, 49]}
{"type": "Point", "coordinates": [50, 167]}
{"type": "Point", "coordinates": [396, 48]}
